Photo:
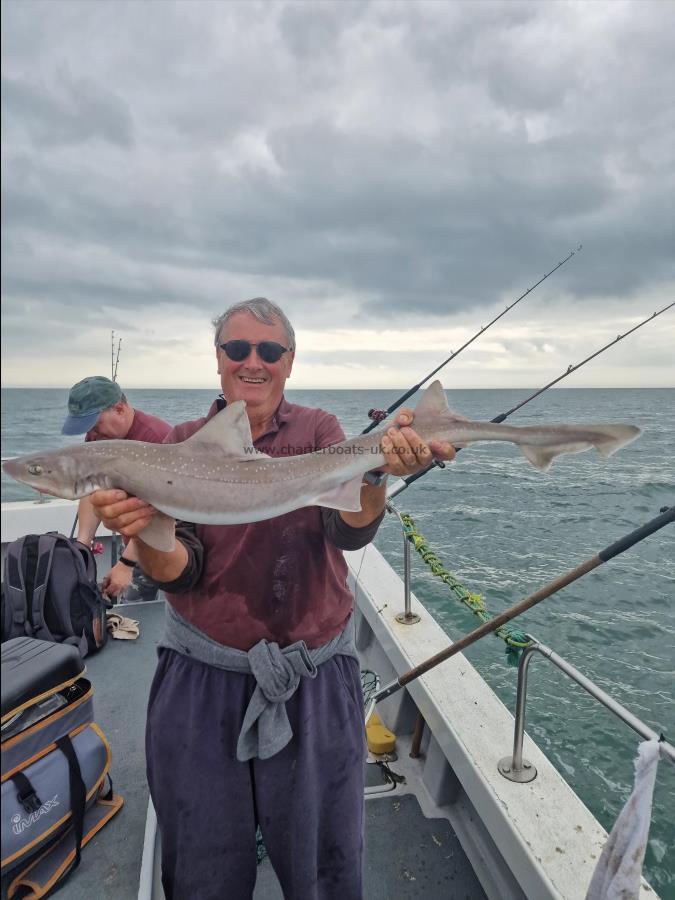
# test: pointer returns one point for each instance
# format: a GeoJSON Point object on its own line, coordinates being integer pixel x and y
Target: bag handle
{"type": "Point", "coordinates": [78, 793]}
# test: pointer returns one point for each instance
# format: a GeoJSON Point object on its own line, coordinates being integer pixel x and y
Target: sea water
{"type": "Point", "coordinates": [505, 529]}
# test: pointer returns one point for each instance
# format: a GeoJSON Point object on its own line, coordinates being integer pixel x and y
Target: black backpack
{"type": "Point", "coordinates": [50, 592]}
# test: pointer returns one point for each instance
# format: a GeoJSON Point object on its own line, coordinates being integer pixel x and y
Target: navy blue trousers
{"type": "Point", "coordinates": [307, 799]}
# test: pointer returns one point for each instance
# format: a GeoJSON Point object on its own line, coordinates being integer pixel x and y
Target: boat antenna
{"type": "Point", "coordinates": [568, 371]}
{"type": "Point", "coordinates": [666, 517]}
{"type": "Point", "coordinates": [378, 415]}
{"type": "Point", "coordinates": [114, 360]}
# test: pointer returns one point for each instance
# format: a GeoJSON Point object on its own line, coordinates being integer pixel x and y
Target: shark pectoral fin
{"type": "Point", "coordinates": [345, 496]}
{"type": "Point", "coordinates": [160, 533]}
{"type": "Point", "coordinates": [433, 403]}
{"type": "Point", "coordinates": [229, 430]}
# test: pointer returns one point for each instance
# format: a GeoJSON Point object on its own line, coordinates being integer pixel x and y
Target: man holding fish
{"type": "Point", "coordinates": [222, 756]}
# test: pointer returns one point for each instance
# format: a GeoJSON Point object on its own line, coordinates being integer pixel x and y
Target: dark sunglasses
{"type": "Point", "coordinates": [268, 351]}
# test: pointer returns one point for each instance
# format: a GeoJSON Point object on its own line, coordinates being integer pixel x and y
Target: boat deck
{"type": "Point", "coordinates": [407, 854]}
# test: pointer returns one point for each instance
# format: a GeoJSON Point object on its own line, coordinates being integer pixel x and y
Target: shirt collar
{"type": "Point", "coordinates": [284, 411]}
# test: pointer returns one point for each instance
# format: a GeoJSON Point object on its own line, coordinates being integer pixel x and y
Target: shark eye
{"type": "Point", "coordinates": [34, 469]}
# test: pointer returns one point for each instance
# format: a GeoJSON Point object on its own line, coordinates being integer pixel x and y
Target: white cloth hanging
{"type": "Point", "coordinates": [619, 869]}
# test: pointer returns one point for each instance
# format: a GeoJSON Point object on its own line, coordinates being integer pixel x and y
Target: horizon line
{"type": "Point", "coordinates": [635, 387]}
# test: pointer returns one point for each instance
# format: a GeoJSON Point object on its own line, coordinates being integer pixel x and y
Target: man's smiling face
{"type": "Point", "coordinates": [259, 383]}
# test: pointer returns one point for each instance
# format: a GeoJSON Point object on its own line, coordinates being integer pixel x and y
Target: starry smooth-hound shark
{"type": "Point", "coordinates": [217, 477]}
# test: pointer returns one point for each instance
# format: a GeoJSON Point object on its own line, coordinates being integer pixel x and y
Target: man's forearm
{"type": "Point", "coordinates": [131, 550]}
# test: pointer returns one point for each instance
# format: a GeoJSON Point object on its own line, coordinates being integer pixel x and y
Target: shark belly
{"type": "Point", "coordinates": [264, 490]}
{"type": "Point", "coordinates": [224, 503]}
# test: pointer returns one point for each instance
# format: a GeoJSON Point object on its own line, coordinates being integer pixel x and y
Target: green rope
{"type": "Point", "coordinates": [515, 638]}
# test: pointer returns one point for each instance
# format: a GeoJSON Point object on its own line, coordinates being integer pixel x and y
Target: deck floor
{"type": "Point", "coordinates": [407, 855]}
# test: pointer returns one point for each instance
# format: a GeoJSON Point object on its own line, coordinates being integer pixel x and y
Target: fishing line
{"type": "Point", "coordinates": [405, 482]}
{"type": "Point", "coordinates": [625, 543]}
{"type": "Point", "coordinates": [378, 415]}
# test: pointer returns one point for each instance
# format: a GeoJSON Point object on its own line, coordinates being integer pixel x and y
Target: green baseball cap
{"type": "Point", "coordinates": [87, 400]}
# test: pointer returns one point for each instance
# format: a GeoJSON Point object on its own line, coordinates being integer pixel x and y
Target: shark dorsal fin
{"type": "Point", "coordinates": [229, 430]}
{"type": "Point", "coordinates": [433, 403]}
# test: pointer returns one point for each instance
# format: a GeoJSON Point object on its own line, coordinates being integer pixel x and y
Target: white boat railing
{"type": "Point", "coordinates": [514, 767]}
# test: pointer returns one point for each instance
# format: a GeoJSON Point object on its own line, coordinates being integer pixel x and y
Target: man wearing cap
{"type": "Point", "coordinates": [97, 406]}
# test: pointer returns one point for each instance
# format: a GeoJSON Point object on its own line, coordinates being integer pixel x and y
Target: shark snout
{"type": "Point", "coordinates": [36, 473]}
{"type": "Point", "coordinates": [11, 467]}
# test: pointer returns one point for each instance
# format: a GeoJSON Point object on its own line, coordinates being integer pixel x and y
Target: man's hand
{"type": "Point", "coordinates": [117, 580]}
{"type": "Point", "coordinates": [404, 450]}
{"type": "Point", "coordinates": [129, 516]}
{"type": "Point", "coordinates": [121, 513]}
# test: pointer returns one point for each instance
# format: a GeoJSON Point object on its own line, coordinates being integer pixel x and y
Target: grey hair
{"type": "Point", "coordinates": [263, 310]}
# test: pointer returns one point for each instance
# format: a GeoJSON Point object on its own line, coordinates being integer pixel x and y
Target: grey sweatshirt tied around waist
{"type": "Point", "coordinates": [265, 729]}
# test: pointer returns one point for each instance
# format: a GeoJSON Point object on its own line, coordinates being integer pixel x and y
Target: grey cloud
{"type": "Point", "coordinates": [313, 32]}
{"type": "Point", "coordinates": [68, 111]}
{"type": "Point", "coordinates": [485, 142]}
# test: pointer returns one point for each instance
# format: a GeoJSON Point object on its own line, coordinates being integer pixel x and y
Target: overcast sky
{"type": "Point", "coordinates": [392, 174]}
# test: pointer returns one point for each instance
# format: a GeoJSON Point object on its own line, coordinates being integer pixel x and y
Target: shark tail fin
{"type": "Point", "coordinates": [615, 437]}
{"type": "Point", "coordinates": [606, 439]}
{"type": "Point", "coordinates": [160, 533]}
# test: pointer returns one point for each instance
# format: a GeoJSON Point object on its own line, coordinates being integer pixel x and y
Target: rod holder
{"type": "Point", "coordinates": [407, 617]}
{"type": "Point", "coordinates": [514, 767]}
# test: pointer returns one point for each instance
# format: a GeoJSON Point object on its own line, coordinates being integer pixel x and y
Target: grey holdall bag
{"type": "Point", "coordinates": [55, 764]}
{"type": "Point", "coordinates": [50, 592]}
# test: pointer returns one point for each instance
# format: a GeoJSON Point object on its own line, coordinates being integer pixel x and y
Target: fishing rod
{"type": "Point", "coordinates": [570, 369]}
{"type": "Point", "coordinates": [666, 517]}
{"type": "Point", "coordinates": [406, 482]}
{"type": "Point", "coordinates": [114, 361]}
{"type": "Point", "coordinates": [378, 415]}
{"type": "Point", "coordinates": [114, 366]}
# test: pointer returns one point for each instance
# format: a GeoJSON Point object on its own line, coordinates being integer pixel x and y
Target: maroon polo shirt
{"type": "Point", "coordinates": [144, 427]}
{"type": "Point", "coordinates": [283, 579]}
